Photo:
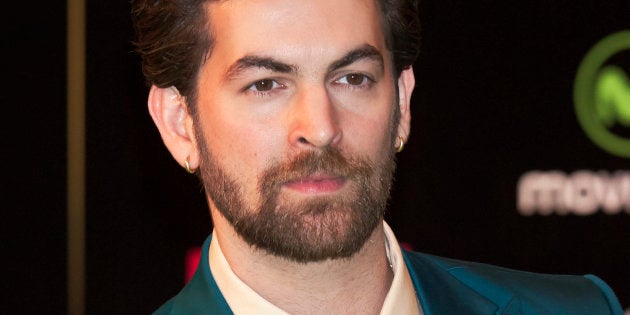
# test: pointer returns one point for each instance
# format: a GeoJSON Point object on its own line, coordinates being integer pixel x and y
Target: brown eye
{"type": "Point", "coordinates": [264, 85]}
{"type": "Point", "coordinates": [355, 79]}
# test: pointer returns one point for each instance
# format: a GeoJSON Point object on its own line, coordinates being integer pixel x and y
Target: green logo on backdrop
{"type": "Point", "coordinates": [602, 95]}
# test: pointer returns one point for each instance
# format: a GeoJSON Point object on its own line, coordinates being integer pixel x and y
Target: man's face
{"type": "Point", "coordinates": [296, 124]}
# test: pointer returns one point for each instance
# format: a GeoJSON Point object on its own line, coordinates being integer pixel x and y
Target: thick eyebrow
{"type": "Point", "coordinates": [364, 52]}
{"type": "Point", "coordinates": [250, 62]}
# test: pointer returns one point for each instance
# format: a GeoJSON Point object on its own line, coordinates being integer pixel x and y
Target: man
{"type": "Point", "coordinates": [291, 113]}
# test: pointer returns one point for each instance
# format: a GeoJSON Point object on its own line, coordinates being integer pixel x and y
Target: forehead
{"type": "Point", "coordinates": [301, 32]}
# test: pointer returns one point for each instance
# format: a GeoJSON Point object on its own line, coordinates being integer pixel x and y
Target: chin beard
{"type": "Point", "coordinates": [314, 228]}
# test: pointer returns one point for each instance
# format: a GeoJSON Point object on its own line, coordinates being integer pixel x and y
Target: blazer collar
{"type": "Point", "coordinates": [453, 290]}
{"type": "Point", "coordinates": [201, 295]}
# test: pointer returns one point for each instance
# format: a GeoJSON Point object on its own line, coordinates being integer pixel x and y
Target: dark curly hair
{"type": "Point", "coordinates": [173, 42]}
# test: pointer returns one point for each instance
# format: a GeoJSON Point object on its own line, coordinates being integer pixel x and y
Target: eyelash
{"type": "Point", "coordinates": [366, 81]}
{"type": "Point", "coordinates": [254, 89]}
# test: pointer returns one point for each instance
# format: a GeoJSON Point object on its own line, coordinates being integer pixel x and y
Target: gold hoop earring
{"type": "Point", "coordinates": [187, 166]}
{"type": "Point", "coordinates": [401, 145]}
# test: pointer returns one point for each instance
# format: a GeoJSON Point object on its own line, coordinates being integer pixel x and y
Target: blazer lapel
{"type": "Point", "coordinates": [201, 295]}
{"type": "Point", "coordinates": [443, 291]}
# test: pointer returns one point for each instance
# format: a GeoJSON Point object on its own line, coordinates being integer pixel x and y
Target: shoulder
{"type": "Point", "coordinates": [534, 291]}
{"type": "Point", "coordinates": [200, 295]}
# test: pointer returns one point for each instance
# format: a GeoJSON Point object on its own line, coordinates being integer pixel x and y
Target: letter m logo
{"type": "Point", "coordinates": [612, 97]}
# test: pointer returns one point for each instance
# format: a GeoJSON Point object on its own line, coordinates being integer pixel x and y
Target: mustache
{"type": "Point", "coordinates": [329, 161]}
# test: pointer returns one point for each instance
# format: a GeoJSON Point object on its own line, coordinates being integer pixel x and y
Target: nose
{"type": "Point", "coordinates": [314, 120]}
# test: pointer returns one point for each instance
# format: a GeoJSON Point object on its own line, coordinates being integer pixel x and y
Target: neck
{"type": "Point", "coordinates": [352, 285]}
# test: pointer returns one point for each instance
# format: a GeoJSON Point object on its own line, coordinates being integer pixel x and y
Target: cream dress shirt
{"type": "Point", "coordinates": [400, 300]}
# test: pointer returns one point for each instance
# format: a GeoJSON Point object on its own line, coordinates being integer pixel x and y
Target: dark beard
{"type": "Point", "coordinates": [316, 228]}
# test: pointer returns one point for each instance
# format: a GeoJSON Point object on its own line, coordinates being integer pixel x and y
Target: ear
{"type": "Point", "coordinates": [170, 114]}
{"type": "Point", "coordinates": [406, 84]}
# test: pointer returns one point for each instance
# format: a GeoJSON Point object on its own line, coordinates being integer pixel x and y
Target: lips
{"type": "Point", "coordinates": [317, 183]}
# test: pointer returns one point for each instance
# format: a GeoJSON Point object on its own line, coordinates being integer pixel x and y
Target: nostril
{"type": "Point", "coordinates": [303, 140]}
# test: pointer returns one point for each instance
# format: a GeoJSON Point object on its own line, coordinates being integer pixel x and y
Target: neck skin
{"type": "Point", "coordinates": [355, 285]}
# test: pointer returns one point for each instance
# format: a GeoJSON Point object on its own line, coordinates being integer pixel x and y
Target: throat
{"type": "Point", "coordinates": [355, 285]}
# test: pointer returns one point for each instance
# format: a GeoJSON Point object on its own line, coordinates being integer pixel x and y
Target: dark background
{"type": "Point", "coordinates": [493, 101]}
{"type": "Point", "coordinates": [33, 151]}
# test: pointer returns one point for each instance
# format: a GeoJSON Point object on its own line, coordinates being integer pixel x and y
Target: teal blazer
{"type": "Point", "coordinates": [446, 286]}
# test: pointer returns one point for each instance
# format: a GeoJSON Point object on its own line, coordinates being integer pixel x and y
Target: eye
{"type": "Point", "coordinates": [355, 80]}
{"type": "Point", "coordinates": [264, 85]}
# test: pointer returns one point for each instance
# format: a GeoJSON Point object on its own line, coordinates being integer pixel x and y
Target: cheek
{"type": "Point", "coordinates": [241, 144]}
{"type": "Point", "coordinates": [369, 128]}
{"type": "Point", "coordinates": [369, 136]}
{"type": "Point", "coordinates": [368, 122]}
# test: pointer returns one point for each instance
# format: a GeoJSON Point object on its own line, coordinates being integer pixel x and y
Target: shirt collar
{"type": "Point", "coordinates": [401, 298]}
